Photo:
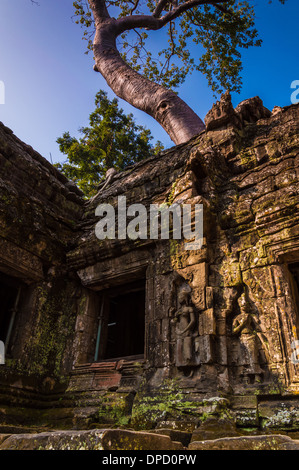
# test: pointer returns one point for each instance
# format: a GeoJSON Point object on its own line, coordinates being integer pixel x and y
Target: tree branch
{"type": "Point", "coordinates": [224, 10]}
{"type": "Point", "coordinates": [99, 10]}
{"type": "Point", "coordinates": [127, 23]}
{"type": "Point", "coordinates": [159, 8]}
{"type": "Point", "coordinates": [152, 22]}
{"type": "Point", "coordinates": [173, 14]}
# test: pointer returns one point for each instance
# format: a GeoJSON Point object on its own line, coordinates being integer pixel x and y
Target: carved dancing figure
{"type": "Point", "coordinates": [185, 321]}
{"type": "Point", "coordinates": [246, 325]}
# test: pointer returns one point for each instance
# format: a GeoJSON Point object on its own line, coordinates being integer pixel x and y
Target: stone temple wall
{"type": "Point", "coordinates": [39, 210]}
{"type": "Point", "coordinates": [143, 333]}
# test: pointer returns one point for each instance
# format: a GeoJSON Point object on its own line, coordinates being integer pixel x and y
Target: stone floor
{"type": "Point", "coordinates": [122, 439]}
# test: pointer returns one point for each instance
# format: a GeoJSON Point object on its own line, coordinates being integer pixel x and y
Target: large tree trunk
{"type": "Point", "coordinates": [179, 121]}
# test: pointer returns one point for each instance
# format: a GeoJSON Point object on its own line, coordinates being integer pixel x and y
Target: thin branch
{"type": "Point", "coordinates": [134, 7]}
{"type": "Point", "coordinates": [173, 14]}
{"type": "Point", "coordinates": [224, 10]}
{"type": "Point", "coordinates": [138, 44]}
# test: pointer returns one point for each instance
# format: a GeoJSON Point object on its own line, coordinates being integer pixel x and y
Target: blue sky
{"type": "Point", "coordinates": [50, 84]}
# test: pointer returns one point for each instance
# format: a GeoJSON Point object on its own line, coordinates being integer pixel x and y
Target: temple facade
{"type": "Point", "coordinates": [144, 333]}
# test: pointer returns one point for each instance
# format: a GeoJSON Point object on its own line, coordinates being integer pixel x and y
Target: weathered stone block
{"type": "Point", "coordinates": [97, 439]}
{"type": "Point", "coordinates": [276, 442]}
{"type": "Point", "coordinates": [175, 435]}
{"type": "Point", "coordinates": [279, 414]}
{"type": "Point", "coordinates": [205, 348]}
{"type": "Point", "coordinates": [214, 428]}
{"type": "Point", "coordinates": [209, 297]}
{"type": "Point", "coordinates": [206, 322]}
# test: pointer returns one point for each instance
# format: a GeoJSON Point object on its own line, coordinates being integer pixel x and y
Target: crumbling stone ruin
{"type": "Point", "coordinates": [143, 334]}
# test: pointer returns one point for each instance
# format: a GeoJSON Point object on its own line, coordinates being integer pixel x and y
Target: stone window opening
{"type": "Point", "coordinates": [121, 328]}
{"type": "Point", "coordinates": [10, 293]}
{"type": "Point", "coordinates": [294, 281]}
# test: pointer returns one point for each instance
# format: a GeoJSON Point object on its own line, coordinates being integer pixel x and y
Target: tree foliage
{"type": "Point", "coordinates": [202, 35]}
{"type": "Point", "coordinates": [112, 139]}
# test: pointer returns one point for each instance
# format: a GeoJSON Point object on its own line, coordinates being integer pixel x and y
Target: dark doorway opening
{"type": "Point", "coordinates": [122, 323]}
{"type": "Point", "coordinates": [294, 270]}
{"type": "Point", "coordinates": [10, 289]}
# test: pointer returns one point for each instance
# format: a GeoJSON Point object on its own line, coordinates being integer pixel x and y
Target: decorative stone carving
{"type": "Point", "coordinates": [186, 353]}
{"type": "Point", "coordinates": [245, 326]}
{"type": "Point", "coordinates": [251, 110]}
{"type": "Point", "coordinates": [221, 114]}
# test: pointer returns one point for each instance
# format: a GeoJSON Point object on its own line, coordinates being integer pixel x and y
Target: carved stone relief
{"type": "Point", "coordinates": [183, 316]}
{"type": "Point", "coordinates": [246, 327]}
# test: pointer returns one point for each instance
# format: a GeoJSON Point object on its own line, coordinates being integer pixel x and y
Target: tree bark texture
{"type": "Point", "coordinates": [179, 121]}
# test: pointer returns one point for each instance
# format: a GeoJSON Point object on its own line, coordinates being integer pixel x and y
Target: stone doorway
{"type": "Point", "coordinates": [294, 280]}
{"type": "Point", "coordinates": [10, 290]}
{"type": "Point", "coordinates": [121, 329]}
